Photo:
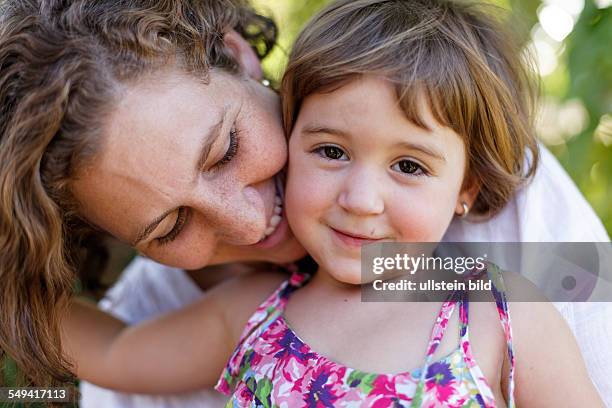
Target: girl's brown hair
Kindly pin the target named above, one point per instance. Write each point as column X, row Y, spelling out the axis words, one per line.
column 454, row 54
column 61, row 65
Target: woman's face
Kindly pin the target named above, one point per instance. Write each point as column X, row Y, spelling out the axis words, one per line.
column 186, row 172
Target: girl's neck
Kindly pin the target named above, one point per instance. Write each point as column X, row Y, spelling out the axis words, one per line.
column 324, row 283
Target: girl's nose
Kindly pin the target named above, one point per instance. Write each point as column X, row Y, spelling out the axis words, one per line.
column 361, row 193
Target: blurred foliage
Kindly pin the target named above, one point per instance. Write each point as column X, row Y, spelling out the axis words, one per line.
column 9, row 375
column 576, row 94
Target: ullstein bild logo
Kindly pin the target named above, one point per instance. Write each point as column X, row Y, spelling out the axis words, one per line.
column 549, row 271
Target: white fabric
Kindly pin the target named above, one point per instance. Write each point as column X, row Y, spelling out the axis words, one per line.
column 550, row 209
column 147, row 289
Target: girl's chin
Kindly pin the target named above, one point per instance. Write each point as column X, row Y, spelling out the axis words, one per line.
column 349, row 274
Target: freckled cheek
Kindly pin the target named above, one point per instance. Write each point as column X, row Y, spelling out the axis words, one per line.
column 268, row 147
column 184, row 257
column 274, row 154
column 192, row 249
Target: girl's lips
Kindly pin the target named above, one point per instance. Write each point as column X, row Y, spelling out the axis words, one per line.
column 353, row 241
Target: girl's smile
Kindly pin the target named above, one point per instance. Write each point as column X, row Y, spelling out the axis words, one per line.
column 354, row 240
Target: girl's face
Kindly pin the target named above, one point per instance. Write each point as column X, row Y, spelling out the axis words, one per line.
column 186, row 172
column 360, row 172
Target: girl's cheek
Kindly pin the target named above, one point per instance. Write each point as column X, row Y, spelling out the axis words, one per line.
column 421, row 216
column 307, row 191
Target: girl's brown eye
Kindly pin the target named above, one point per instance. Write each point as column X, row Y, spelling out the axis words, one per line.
column 409, row 167
column 181, row 220
column 331, row 152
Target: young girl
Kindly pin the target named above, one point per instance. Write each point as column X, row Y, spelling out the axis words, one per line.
column 401, row 115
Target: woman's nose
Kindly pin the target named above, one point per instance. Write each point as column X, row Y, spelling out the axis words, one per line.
column 237, row 215
column 361, row 193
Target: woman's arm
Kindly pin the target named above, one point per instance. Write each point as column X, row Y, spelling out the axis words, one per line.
column 550, row 371
column 181, row 351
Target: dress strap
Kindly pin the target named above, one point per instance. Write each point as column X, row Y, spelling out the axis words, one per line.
column 498, row 290
column 275, row 304
column 484, row 390
column 437, row 333
column 261, row 319
column 439, row 329
column 499, row 293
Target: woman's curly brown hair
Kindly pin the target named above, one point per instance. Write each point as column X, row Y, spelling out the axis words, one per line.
column 61, row 64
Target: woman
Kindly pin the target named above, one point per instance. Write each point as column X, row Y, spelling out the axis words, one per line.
column 144, row 119
column 138, row 119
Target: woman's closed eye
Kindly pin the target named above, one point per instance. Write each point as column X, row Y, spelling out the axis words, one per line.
column 182, row 216
column 232, row 149
column 331, row 152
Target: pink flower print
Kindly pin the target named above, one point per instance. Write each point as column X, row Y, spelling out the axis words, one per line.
column 325, row 386
column 440, row 378
column 384, row 393
column 243, row 395
column 292, row 354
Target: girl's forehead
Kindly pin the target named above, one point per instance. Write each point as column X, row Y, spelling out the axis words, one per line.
column 366, row 103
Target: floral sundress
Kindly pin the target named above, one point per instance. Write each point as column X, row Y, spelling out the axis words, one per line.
column 272, row 367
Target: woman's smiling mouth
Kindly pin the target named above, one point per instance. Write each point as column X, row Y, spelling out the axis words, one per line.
column 277, row 223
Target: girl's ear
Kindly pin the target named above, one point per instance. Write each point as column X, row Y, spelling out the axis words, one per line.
column 244, row 54
column 468, row 195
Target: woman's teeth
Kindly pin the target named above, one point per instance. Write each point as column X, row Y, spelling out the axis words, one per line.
column 276, row 217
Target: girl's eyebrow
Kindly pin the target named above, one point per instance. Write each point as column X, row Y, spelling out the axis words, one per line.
column 423, row 149
column 315, row 129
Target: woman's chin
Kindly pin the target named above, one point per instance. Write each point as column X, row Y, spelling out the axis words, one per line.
column 289, row 250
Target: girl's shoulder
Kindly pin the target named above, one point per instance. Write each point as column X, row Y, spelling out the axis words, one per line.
column 240, row 297
column 522, row 302
column 543, row 343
